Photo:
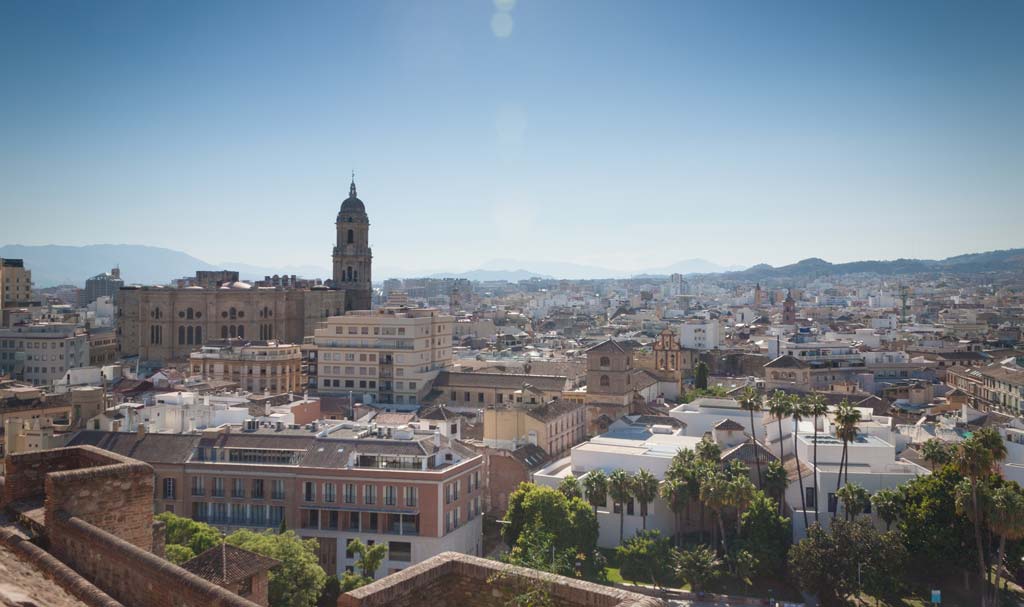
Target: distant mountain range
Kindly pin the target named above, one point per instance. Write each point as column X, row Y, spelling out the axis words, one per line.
column 53, row 265
column 991, row 261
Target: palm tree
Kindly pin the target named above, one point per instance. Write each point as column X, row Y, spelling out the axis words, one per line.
column 816, row 407
column 620, row 488
column 778, row 406
column 751, row 401
column 571, row 487
column 741, row 492
column 676, row 493
column 1006, row 519
column 847, row 417
column 888, row 503
column 797, row 409
column 596, row 485
column 714, row 492
column 936, row 453
column 645, row 489
column 776, row 481
column 974, row 461
column 854, row 498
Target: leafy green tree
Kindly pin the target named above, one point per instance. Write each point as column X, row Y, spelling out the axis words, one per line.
column 197, row 537
column 620, row 488
column 178, row 554
column 351, row 581
column 826, row 563
column 331, row 591
column 936, row 452
column 543, row 517
column 700, row 376
column 647, row 557
column 571, row 487
column 888, row 504
column 595, row 483
column 765, row 534
column 298, row 580
column 699, row 567
column 370, row 557
column 854, row 498
column 645, row 489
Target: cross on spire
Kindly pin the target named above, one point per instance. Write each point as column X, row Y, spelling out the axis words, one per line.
column 352, row 186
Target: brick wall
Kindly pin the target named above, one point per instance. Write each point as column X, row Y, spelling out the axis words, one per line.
column 133, row 576
column 459, row 580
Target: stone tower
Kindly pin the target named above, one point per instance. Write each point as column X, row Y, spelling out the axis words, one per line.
column 352, row 255
column 789, row 310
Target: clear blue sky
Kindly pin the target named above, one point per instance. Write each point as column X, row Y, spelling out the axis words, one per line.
column 625, row 134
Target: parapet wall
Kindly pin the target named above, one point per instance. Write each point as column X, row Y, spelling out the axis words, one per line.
column 133, row 576
column 451, row 579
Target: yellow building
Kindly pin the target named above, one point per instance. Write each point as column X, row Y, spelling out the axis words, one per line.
column 15, row 283
column 554, row 426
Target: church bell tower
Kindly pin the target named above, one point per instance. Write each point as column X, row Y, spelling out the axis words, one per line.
column 352, row 255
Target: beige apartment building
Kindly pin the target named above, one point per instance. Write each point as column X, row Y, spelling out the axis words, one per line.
column 256, row 366
column 15, row 283
column 480, row 389
column 388, row 355
column 418, row 493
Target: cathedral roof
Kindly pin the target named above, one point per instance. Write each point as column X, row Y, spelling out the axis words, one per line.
column 352, row 204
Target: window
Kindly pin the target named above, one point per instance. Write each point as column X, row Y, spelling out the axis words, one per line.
column 309, row 491
column 400, row 551
column 277, row 490
column 629, row 507
column 257, row 488
column 170, row 491
column 479, row 397
column 350, row 493
column 348, row 548
column 238, row 488
column 218, row 487
column 809, row 497
column 832, row 502
column 330, row 493
column 411, row 496
column 369, row 494
column 605, row 361
column 390, row 495
column 197, row 486
column 605, row 382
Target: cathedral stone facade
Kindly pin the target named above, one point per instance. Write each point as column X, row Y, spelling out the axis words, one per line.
column 167, row 324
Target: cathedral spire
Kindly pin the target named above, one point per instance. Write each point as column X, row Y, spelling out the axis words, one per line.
column 352, row 186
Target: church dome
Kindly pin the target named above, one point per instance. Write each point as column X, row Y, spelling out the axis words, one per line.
column 352, row 204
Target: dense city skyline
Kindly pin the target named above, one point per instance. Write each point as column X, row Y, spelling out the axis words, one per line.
column 516, row 130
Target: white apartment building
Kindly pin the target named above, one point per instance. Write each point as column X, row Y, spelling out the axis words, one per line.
column 651, row 449
column 41, row 353
column 700, row 334
column 388, row 355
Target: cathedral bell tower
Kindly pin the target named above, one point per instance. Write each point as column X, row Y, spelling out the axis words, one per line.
column 352, row 256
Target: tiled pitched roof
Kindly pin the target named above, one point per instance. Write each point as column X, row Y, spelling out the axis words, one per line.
column 728, row 425
column 504, row 381
column 226, row 564
column 786, row 362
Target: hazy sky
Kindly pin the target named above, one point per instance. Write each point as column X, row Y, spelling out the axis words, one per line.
column 625, row 134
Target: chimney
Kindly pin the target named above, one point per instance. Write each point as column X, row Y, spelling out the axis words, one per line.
column 437, row 438
column 140, row 432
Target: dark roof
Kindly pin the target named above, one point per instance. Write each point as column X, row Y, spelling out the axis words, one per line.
column 553, row 409
column 226, row 564
column 786, row 362
column 654, row 420
column 729, row 425
column 352, row 204
column 531, row 456
column 504, row 381
column 151, row 448
column 438, row 412
column 610, row 345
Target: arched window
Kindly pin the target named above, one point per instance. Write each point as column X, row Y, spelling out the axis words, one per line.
column 191, row 335
column 224, row 332
column 234, row 331
column 199, row 336
column 605, row 361
column 349, row 273
column 270, row 331
column 181, row 336
column 351, row 236
column 605, row 382
column 241, row 331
